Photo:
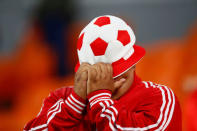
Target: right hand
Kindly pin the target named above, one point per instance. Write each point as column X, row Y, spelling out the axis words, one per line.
column 100, row 77
column 81, row 77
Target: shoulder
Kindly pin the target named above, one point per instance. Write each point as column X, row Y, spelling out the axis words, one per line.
column 49, row 104
column 157, row 95
column 161, row 95
column 159, row 91
column 155, row 88
column 162, row 101
column 62, row 92
column 54, row 97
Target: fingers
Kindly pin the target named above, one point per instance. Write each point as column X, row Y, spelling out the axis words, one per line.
column 109, row 69
column 84, row 76
column 82, row 73
column 97, row 71
column 103, row 70
column 81, row 77
column 93, row 77
column 118, row 83
column 83, row 67
column 92, row 73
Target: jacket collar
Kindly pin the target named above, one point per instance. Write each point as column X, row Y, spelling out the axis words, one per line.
column 136, row 82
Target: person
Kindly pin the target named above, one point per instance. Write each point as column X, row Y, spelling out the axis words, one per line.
column 107, row 93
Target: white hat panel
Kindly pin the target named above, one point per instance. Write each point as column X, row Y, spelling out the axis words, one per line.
column 115, row 49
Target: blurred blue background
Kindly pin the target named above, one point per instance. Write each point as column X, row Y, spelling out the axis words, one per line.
column 153, row 19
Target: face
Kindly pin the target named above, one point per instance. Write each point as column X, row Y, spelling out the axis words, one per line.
column 128, row 76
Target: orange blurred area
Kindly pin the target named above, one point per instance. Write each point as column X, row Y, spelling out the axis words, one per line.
column 28, row 76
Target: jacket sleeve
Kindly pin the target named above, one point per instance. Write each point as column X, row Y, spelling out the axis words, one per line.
column 154, row 113
column 58, row 113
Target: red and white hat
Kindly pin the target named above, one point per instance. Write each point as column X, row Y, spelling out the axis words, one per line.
column 109, row 39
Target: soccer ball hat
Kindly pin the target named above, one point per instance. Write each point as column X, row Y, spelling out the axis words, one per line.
column 109, row 39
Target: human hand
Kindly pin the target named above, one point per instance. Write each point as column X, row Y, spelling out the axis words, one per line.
column 81, row 77
column 100, row 77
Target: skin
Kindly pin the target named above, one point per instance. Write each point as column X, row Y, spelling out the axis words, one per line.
column 124, row 86
column 81, row 77
column 90, row 78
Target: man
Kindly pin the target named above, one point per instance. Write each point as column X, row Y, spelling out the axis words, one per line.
column 107, row 94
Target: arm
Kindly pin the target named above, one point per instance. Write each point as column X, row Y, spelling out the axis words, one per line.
column 58, row 113
column 154, row 113
column 62, row 111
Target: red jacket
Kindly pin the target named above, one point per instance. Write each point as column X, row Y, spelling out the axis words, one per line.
column 145, row 106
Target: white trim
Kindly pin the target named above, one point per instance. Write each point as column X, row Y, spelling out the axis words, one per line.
column 74, row 103
column 123, row 72
column 150, row 126
column 127, row 69
column 54, row 113
column 159, row 119
column 77, row 101
column 57, row 109
column 145, row 83
column 112, row 102
column 172, row 108
column 91, row 104
column 41, row 109
column 56, row 103
column 108, row 94
column 111, row 113
column 107, row 103
column 73, row 107
column 103, row 106
column 110, row 124
column 99, row 98
column 171, row 112
column 38, row 127
column 151, row 84
column 54, row 106
column 153, row 125
column 114, row 110
column 167, row 109
column 57, row 106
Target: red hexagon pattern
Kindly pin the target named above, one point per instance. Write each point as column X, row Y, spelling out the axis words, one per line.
column 101, row 21
column 123, row 37
column 99, row 46
column 80, row 42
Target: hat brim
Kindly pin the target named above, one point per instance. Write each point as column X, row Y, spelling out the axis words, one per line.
column 121, row 66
